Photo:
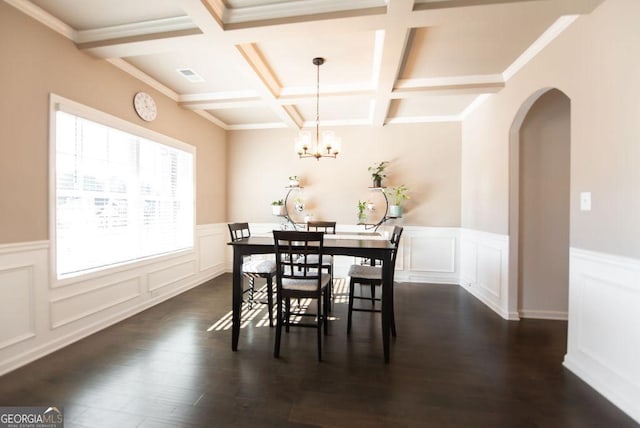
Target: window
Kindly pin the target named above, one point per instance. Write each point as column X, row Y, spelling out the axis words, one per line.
column 118, row 196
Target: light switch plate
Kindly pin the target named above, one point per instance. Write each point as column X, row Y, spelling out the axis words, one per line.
column 585, row 201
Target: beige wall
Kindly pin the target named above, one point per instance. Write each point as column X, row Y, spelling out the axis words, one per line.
column 593, row 63
column 543, row 285
column 424, row 157
column 35, row 61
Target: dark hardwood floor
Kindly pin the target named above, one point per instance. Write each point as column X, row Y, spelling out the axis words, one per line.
column 455, row 363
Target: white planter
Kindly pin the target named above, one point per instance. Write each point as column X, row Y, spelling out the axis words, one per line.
column 395, row 211
column 294, row 183
column 278, row 210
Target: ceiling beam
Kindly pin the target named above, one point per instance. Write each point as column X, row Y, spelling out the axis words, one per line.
column 389, row 59
column 462, row 3
column 143, row 44
column 481, row 84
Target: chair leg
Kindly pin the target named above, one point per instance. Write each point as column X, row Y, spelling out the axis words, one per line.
column 373, row 295
column 351, row 288
column 270, row 299
column 319, row 329
column 393, row 316
column 325, row 312
column 251, row 291
column 279, row 321
column 393, row 324
column 287, row 313
column 330, row 289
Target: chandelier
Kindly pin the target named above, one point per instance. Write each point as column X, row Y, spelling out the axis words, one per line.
column 325, row 145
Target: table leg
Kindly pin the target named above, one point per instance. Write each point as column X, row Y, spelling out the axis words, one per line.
column 236, row 303
column 387, row 303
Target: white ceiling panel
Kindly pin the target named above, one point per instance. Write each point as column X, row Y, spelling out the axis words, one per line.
column 347, row 60
column 209, row 59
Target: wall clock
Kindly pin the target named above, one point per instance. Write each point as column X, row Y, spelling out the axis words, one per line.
column 145, row 106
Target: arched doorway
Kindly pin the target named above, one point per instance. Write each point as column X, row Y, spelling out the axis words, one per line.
column 539, row 207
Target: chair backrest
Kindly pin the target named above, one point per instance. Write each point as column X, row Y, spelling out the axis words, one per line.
column 293, row 249
column 395, row 241
column 239, row 231
column 322, row 226
column 395, row 235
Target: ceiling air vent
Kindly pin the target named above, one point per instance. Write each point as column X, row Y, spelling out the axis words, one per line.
column 190, row 75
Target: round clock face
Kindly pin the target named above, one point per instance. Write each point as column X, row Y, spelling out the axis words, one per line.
column 145, row 106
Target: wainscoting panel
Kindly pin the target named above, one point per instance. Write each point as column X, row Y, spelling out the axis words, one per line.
column 489, row 270
column 171, row 274
column 37, row 318
column 211, row 245
column 432, row 254
column 484, row 270
column 604, row 320
column 429, row 254
column 468, row 261
column 77, row 307
column 17, row 306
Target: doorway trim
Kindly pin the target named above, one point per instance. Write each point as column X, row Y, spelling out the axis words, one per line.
column 514, row 195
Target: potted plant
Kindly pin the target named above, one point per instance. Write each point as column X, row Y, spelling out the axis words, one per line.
column 278, row 207
column 294, row 181
column 362, row 215
column 377, row 173
column 397, row 195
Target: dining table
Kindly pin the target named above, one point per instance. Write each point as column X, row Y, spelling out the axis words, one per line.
column 369, row 245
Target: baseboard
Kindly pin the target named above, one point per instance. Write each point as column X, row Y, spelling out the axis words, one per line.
column 622, row 401
column 509, row 316
column 544, row 315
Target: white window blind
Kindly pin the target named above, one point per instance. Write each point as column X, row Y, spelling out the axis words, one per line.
column 118, row 197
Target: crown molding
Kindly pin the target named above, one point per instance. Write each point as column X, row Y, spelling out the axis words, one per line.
column 295, row 8
column 166, row 25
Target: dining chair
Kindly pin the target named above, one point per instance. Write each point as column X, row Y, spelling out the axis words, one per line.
column 372, row 276
column 253, row 269
column 298, row 277
column 328, row 227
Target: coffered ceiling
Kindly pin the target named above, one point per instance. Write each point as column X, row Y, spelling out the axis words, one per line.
column 249, row 62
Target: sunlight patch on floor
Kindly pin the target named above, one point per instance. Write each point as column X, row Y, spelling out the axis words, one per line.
column 258, row 315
